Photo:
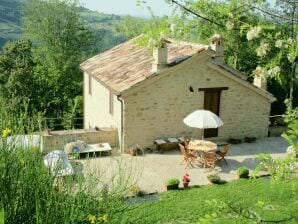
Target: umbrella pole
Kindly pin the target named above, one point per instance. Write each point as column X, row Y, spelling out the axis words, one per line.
column 203, row 134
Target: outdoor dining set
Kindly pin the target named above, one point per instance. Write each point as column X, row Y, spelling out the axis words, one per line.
column 202, row 151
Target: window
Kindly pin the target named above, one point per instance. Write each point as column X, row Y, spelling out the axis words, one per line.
column 111, row 109
column 90, row 85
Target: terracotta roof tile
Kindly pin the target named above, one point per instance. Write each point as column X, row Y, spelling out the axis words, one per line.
column 128, row 64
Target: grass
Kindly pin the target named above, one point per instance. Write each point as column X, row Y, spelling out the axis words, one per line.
column 271, row 200
column 29, row 193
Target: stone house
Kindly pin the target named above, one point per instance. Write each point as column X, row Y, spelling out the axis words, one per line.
column 145, row 96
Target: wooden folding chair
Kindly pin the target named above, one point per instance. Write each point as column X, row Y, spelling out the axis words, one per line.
column 187, row 157
column 221, row 154
column 209, row 159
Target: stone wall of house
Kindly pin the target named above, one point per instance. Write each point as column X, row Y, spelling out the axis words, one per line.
column 57, row 139
column 156, row 108
column 97, row 106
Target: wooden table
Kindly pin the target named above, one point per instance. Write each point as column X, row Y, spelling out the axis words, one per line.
column 202, row 145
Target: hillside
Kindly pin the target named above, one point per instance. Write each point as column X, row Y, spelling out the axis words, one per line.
column 102, row 24
column 10, row 20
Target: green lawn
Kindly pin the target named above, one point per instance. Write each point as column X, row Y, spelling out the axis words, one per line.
column 271, row 200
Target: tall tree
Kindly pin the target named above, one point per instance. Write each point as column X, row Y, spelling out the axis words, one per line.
column 61, row 39
column 258, row 36
column 16, row 75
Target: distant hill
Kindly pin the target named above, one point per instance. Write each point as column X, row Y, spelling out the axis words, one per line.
column 11, row 21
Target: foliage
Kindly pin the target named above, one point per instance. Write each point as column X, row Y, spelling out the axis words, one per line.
column 225, row 211
column 75, row 111
column 135, row 190
column 2, row 216
column 213, row 177
column 253, row 39
column 16, row 74
column 131, row 27
column 19, row 122
column 291, row 115
column 292, row 134
column 10, row 21
column 30, row 194
column 243, row 170
column 62, row 38
column 276, row 202
column 45, row 76
column 102, row 25
column 172, row 181
column 279, row 169
column 100, row 219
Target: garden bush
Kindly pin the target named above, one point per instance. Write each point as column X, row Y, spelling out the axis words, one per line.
column 30, row 194
column 172, row 181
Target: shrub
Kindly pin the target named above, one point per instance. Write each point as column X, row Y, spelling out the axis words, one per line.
column 172, row 181
column 28, row 194
column 243, row 170
column 279, row 169
column 213, row 177
column 292, row 135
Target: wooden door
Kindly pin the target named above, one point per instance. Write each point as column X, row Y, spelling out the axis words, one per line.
column 212, row 103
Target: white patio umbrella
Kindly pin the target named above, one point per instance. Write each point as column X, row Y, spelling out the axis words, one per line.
column 202, row 119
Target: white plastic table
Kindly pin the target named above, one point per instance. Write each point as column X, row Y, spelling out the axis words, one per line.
column 99, row 147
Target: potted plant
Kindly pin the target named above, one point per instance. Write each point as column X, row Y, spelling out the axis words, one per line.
column 186, row 180
column 214, row 178
column 132, row 150
column 234, row 141
column 250, row 139
column 243, row 172
column 172, row 184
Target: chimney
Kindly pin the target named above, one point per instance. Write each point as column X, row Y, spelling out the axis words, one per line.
column 260, row 82
column 217, row 44
column 160, row 58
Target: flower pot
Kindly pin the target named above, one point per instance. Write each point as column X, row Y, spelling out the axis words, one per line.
column 185, row 184
column 172, row 187
column 234, row 141
column 250, row 139
column 243, row 175
column 214, row 181
column 133, row 152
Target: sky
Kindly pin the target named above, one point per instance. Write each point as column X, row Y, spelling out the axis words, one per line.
column 127, row 7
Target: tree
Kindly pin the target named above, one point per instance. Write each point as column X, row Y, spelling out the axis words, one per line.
column 61, row 39
column 278, row 48
column 260, row 40
column 17, row 84
column 131, row 26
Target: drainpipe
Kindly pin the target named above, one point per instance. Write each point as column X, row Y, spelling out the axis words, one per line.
column 122, row 127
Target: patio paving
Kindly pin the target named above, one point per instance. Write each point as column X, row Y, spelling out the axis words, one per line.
column 151, row 170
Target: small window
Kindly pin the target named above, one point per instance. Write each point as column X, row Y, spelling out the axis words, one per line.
column 111, row 109
column 191, row 89
column 90, row 85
